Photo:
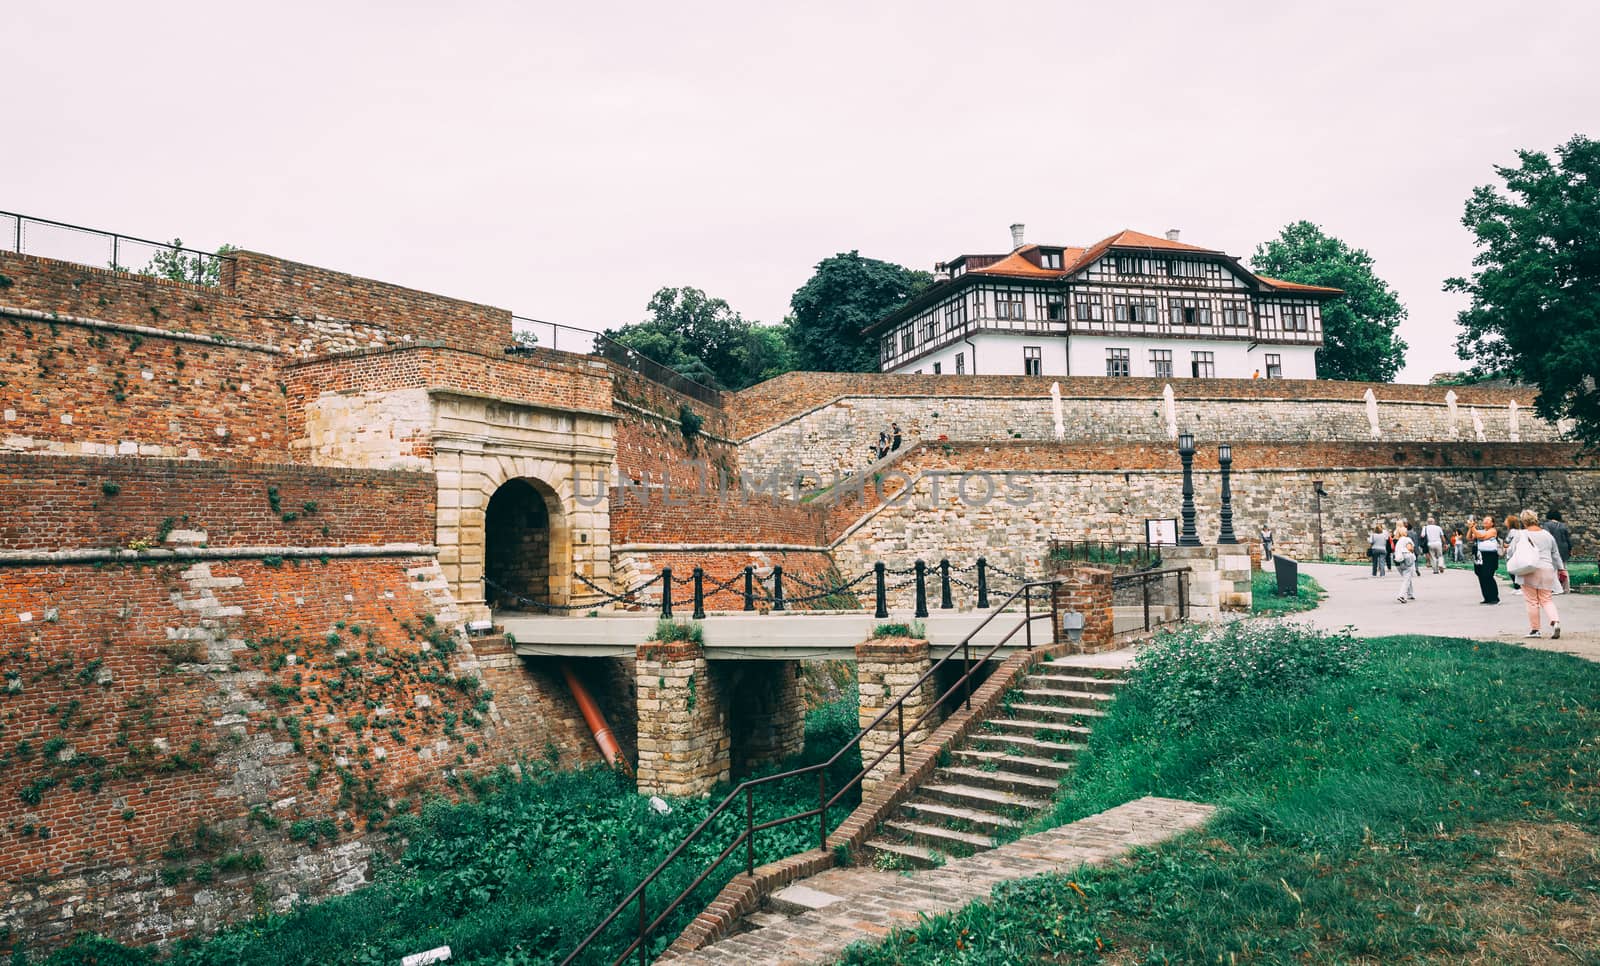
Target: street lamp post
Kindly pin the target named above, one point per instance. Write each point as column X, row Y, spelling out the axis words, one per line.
column 1225, row 460
column 1318, row 492
column 1186, row 453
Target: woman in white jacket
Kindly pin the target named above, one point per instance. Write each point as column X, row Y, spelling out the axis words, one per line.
column 1539, row 584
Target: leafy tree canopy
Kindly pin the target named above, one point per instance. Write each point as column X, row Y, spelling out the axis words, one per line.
column 845, row 295
column 1359, row 337
column 1535, row 311
column 706, row 340
column 177, row 266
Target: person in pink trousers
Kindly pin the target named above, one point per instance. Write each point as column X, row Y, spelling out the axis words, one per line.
column 1539, row 584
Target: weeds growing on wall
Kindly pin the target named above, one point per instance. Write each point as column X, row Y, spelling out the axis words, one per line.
column 517, row 876
column 1397, row 800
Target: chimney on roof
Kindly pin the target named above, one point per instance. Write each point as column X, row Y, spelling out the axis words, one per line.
column 1172, row 234
column 1016, row 236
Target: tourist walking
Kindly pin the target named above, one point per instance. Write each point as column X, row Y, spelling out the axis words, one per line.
column 1486, row 558
column 1266, row 542
column 1405, row 557
column 1556, row 528
column 1378, row 550
column 1533, row 555
column 1513, row 527
column 1433, row 541
column 894, row 429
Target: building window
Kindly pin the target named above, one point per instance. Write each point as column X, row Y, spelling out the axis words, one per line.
column 908, row 339
column 961, row 363
column 886, row 348
column 1274, row 366
column 955, row 313
column 1203, row 365
column 1139, row 265
column 1294, row 318
column 1055, row 310
column 1146, row 309
column 937, row 368
column 1008, row 305
column 1235, row 313
column 1032, row 365
column 1190, row 311
column 1118, row 362
column 1050, row 259
column 1090, row 307
column 928, row 330
column 1183, row 268
column 1119, row 308
column 1161, row 363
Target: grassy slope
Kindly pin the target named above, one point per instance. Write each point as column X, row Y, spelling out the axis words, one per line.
column 518, row 876
column 1442, row 803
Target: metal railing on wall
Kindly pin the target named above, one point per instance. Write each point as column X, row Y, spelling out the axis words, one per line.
column 28, row 235
column 1138, row 556
column 568, row 338
column 1147, row 599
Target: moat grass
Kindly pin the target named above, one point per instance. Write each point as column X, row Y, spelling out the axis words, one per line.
column 1428, row 800
column 1264, row 597
column 518, row 876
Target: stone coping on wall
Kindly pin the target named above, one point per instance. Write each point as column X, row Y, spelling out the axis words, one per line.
column 146, row 331
column 178, row 467
column 791, row 396
column 155, row 555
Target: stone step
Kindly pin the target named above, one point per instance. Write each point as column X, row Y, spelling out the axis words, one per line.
column 1072, row 678
column 1071, row 682
column 949, row 790
column 1024, row 784
column 799, row 899
column 761, row 919
column 906, row 854
column 1056, row 729
column 1016, row 761
column 973, row 820
column 1066, row 699
column 938, row 837
column 1052, row 712
column 1030, row 747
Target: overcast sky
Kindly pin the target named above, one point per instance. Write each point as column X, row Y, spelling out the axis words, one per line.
column 566, row 160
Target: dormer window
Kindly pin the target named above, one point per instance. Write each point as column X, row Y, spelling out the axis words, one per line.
column 1050, row 259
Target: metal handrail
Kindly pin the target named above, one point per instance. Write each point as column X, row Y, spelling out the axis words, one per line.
column 116, row 238
column 647, row 926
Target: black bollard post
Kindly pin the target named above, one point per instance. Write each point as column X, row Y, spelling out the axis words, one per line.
column 666, row 591
column 881, row 591
column 777, row 588
column 983, row 584
column 749, row 588
column 944, row 585
column 922, row 589
column 699, row 593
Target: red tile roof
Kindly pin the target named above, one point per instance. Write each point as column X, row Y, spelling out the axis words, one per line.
column 1279, row 283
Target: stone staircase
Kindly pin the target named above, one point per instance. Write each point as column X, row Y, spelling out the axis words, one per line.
column 1002, row 773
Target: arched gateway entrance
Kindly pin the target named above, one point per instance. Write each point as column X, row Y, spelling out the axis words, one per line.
column 523, row 527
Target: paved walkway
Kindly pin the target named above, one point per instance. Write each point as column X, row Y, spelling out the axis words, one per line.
column 899, row 900
column 1447, row 605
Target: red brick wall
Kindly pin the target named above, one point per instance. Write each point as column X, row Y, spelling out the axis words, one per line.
column 60, row 502
column 47, row 285
column 95, row 378
column 651, row 443
column 644, row 517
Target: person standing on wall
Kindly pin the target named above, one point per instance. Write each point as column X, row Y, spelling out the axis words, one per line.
column 1266, row 542
column 1487, row 558
column 1563, row 537
column 1533, row 555
column 1405, row 557
column 894, row 443
column 1433, row 540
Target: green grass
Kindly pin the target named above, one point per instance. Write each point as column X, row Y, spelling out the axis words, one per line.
column 1420, row 800
column 519, row 875
column 1264, row 597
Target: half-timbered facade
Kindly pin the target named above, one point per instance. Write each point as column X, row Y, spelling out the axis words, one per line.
column 1130, row 305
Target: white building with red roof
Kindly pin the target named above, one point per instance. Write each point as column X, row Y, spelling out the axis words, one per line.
column 1128, row 305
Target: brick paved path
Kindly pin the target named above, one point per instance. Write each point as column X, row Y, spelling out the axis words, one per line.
column 820, row 936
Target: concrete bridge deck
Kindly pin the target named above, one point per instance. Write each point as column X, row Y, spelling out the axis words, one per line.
column 798, row 636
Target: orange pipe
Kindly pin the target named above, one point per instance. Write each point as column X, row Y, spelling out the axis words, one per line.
column 593, row 718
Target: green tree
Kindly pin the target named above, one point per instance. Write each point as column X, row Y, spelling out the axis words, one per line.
column 706, row 340
column 1535, row 311
column 1359, row 337
column 198, row 268
column 844, row 295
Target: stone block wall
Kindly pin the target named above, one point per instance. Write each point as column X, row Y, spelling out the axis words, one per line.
column 886, row 669
column 684, row 743
column 768, row 713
